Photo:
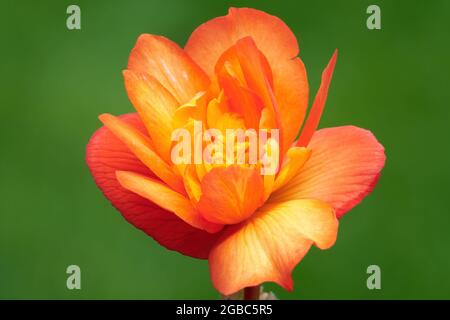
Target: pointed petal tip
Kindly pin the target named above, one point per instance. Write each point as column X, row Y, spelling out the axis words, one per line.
column 331, row 64
column 105, row 117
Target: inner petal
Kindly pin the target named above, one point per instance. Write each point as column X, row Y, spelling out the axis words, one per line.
column 231, row 195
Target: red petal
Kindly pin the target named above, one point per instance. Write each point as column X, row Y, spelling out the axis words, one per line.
column 105, row 155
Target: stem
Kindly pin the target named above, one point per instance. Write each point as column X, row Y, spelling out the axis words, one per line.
column 251, row 293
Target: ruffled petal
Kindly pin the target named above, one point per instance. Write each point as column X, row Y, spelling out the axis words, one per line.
column 272, row 36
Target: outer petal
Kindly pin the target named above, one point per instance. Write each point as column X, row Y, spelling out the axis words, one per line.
column 270, row 244
column 272, row 36
column 319, row 103
column 344, row 167
column 276, row 41
column 170, row 65
column 230, row 195
column 105, row 155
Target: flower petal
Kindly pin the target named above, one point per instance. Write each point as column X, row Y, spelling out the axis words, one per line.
column 105, row 154
column 242, row 100
column 344, row 167
column 296, row 158
column 258, row 76
column 156, row 107
column 318, row 105
column 278, row 44
column 192, row 183
column 272, row 36
column 166, row 198
column 230, row 195
column 139, row 145
column 170, row 65
column 269, row 245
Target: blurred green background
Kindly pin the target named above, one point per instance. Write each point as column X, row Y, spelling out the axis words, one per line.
column 54, row 83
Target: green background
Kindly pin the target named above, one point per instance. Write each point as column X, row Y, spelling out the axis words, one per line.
column 54, row 83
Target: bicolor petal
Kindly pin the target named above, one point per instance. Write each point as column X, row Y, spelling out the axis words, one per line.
column 106, row 154
column 140, row 145
column 166, row 198
column 270, row 244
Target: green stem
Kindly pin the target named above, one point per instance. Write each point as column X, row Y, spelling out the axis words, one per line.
column 251, row 293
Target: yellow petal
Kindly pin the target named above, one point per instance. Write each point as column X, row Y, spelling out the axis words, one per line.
column 296, row 158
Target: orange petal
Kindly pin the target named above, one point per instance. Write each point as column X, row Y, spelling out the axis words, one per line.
column 169, row 64
column 291, row 91
column 296, row 158
column 237, row 82
column 230, row 195
column 156, row 107
column 140, row 146
column 344, row 167
column 258, row 76
column 272, row 36
column 106, row 154
column 269, row 182
column 278, row 44
column 318, row 104
column 270, row 244
column 166, row 198
column 242, row 100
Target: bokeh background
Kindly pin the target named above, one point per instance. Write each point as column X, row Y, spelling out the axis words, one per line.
column 54, row 82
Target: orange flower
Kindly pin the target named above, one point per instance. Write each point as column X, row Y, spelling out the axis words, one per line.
column 236, row 71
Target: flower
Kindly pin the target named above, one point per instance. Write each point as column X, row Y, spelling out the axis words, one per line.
column 239, row 71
